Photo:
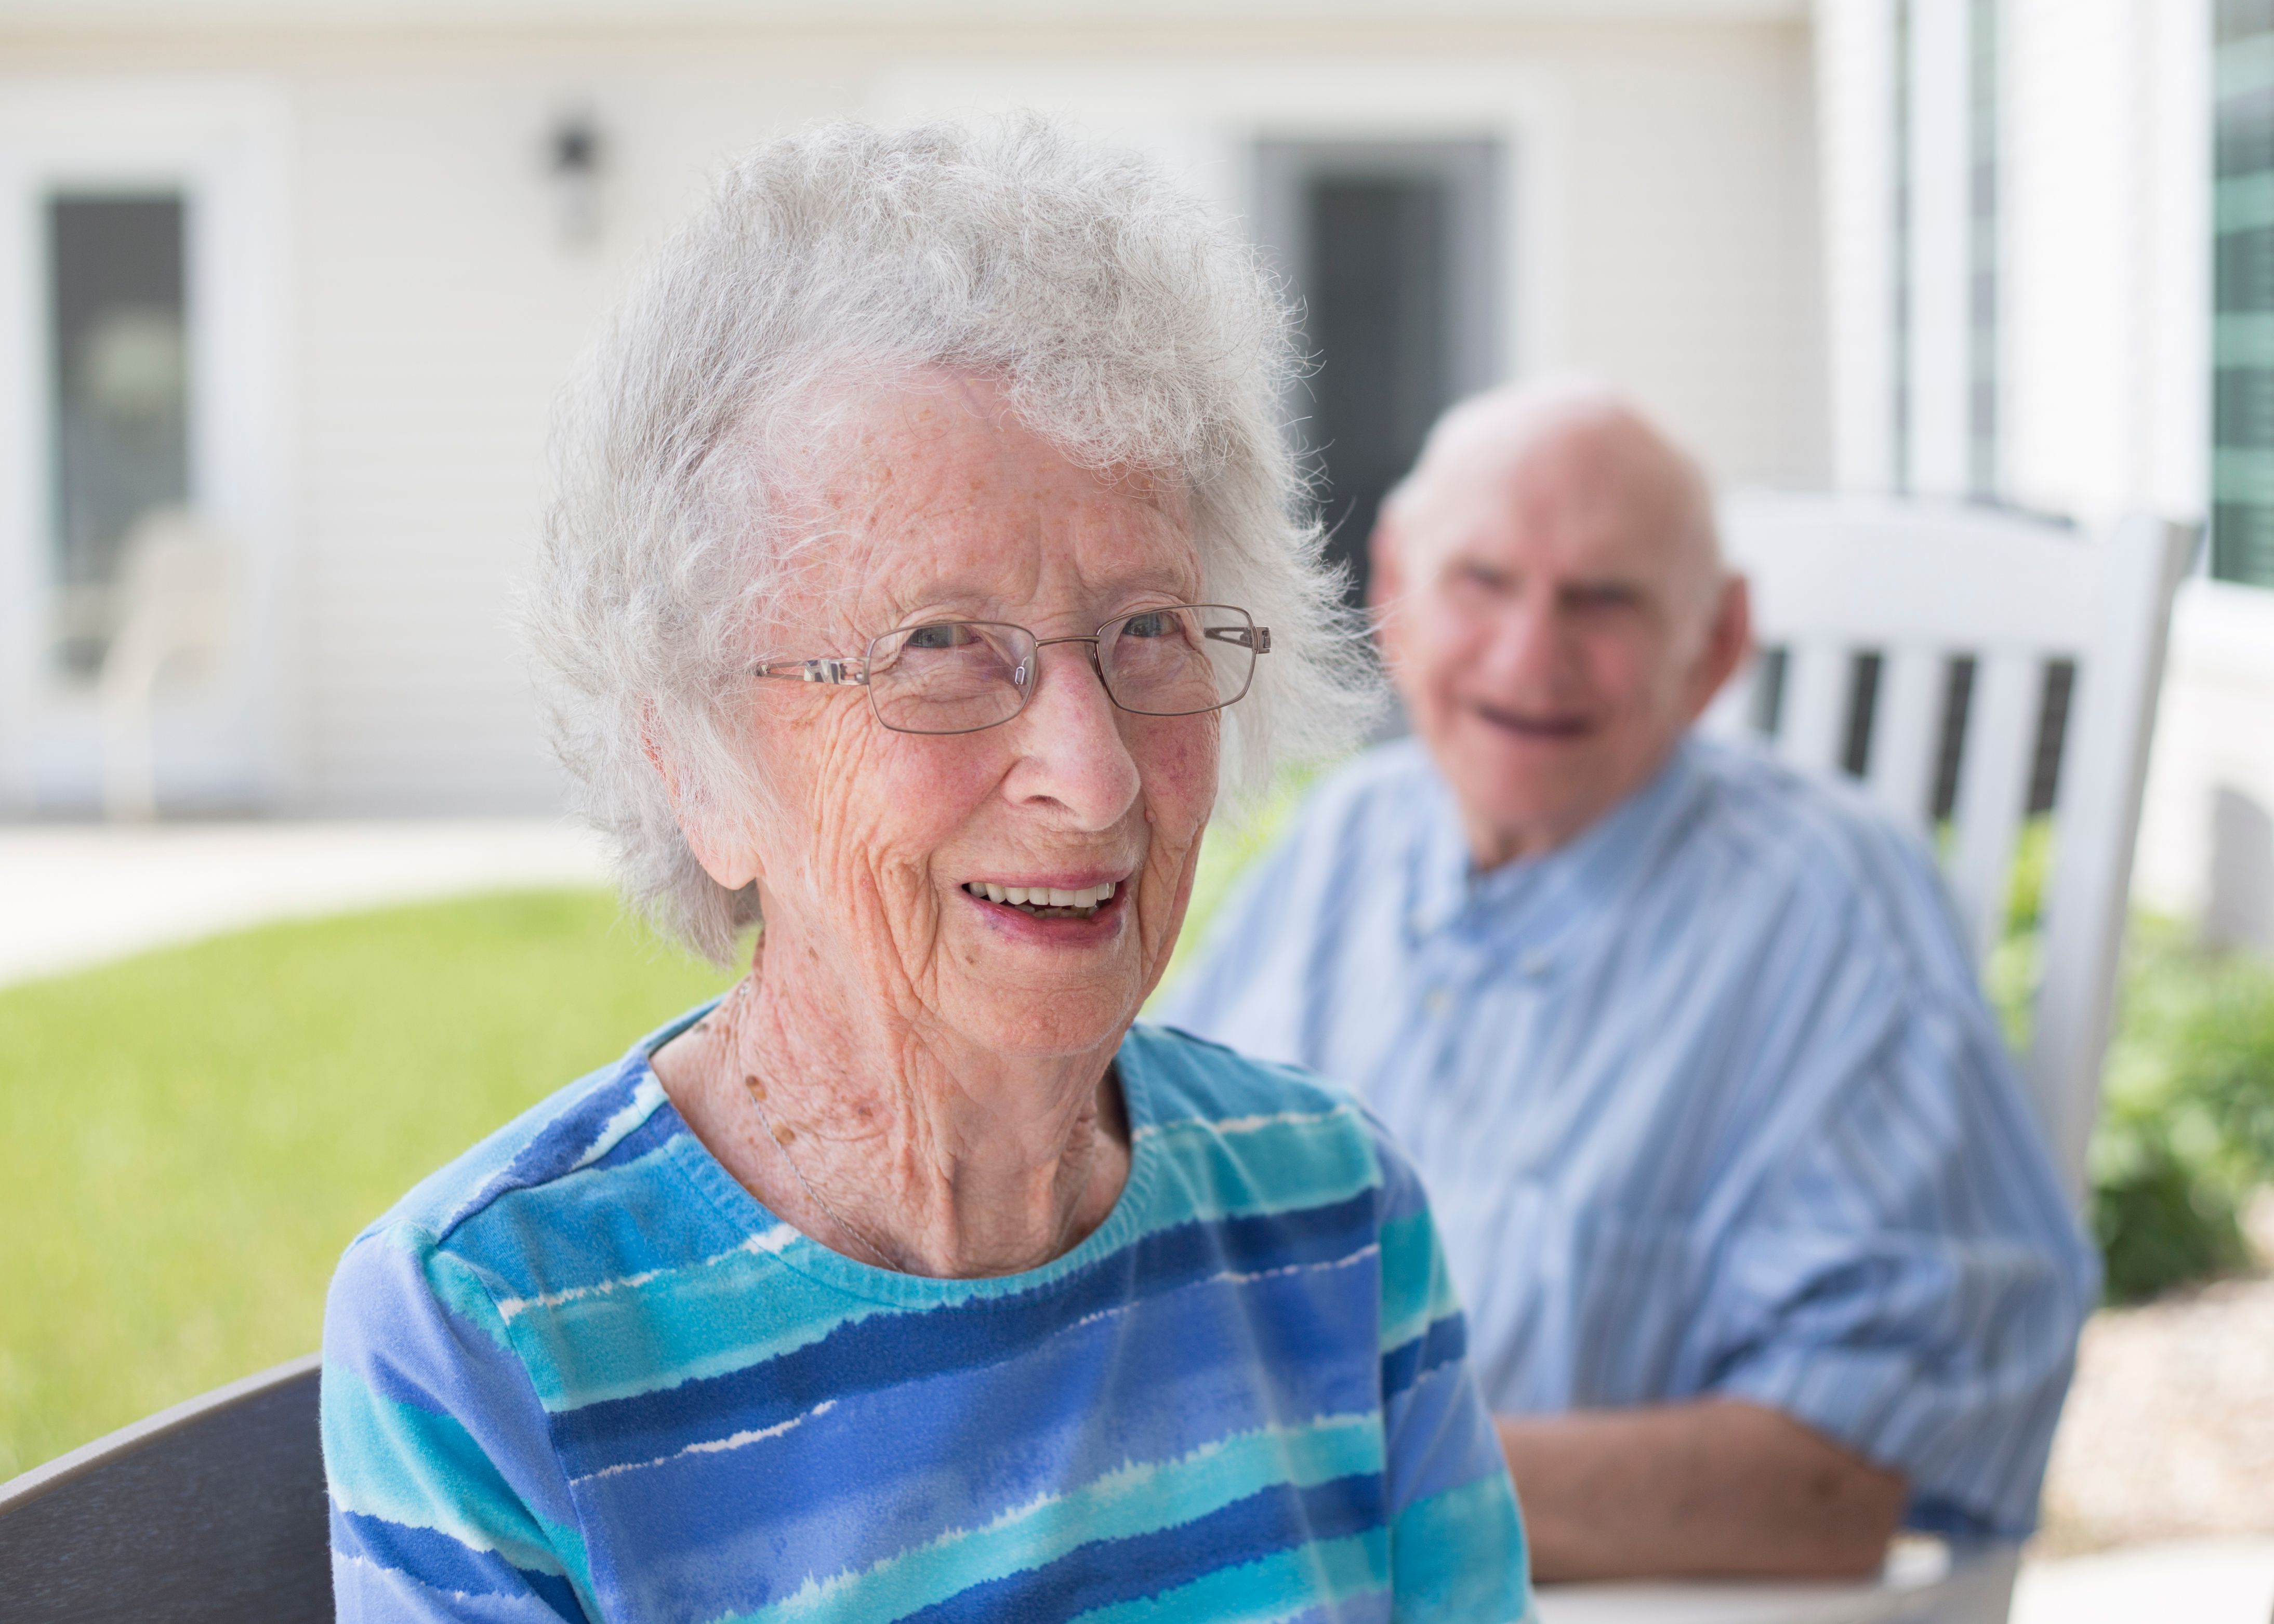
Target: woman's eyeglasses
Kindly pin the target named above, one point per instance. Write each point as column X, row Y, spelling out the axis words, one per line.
column 960, row 676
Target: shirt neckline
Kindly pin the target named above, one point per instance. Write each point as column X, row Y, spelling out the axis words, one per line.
column 1541, row 899
column 800, row 1252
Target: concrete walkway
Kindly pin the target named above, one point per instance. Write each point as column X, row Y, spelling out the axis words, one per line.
column 2186, row 1581
column 73, row 896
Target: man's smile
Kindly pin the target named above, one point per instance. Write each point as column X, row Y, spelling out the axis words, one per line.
column 1547, row 725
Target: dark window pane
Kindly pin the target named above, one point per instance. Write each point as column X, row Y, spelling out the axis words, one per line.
column 120, row 390
column 2239, row 19
column 2242, row 407
column 2245, row 270
column 2242, row 543
column 2246, row 132
column 1376, row 315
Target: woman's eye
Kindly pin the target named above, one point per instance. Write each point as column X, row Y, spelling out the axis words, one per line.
column 945, row 635
column 1146, row 625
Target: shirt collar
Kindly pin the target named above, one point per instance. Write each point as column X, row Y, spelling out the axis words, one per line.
column 1534, row 901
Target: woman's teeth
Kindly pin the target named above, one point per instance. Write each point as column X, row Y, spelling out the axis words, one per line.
column 1046, row 902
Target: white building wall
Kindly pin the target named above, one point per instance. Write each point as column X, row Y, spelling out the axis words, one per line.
column 1940, row 246
column 442, row 310
column 2104, row 252
column 2104, row 364
column 1660, row 232
column 2108, row 242
column 1856, row 118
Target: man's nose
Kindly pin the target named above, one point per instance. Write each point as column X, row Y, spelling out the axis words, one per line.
column 1530, row 641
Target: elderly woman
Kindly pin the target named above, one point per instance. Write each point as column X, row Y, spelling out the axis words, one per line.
column 922, row 544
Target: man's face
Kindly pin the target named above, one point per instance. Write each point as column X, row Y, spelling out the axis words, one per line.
column 1554, row 621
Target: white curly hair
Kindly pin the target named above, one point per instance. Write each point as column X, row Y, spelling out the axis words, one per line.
column 1122, row 321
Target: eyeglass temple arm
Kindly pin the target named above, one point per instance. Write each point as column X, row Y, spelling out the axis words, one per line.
column 816, row 670
column 1256, row 638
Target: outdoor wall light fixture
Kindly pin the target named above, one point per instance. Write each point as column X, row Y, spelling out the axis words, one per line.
column 573, row 155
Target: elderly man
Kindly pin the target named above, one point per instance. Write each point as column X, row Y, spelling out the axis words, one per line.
column 1762, row 1253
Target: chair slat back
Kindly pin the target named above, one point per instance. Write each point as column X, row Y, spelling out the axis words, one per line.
column 1993, row 788
column 1935, row 653
column 1906, row 734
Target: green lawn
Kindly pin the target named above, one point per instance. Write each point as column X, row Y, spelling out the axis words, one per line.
column 188, row 1139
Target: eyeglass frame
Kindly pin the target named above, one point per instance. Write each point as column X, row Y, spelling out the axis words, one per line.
column 853, row 670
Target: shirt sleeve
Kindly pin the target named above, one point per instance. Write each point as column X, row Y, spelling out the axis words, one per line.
column 1913, row 1284
column 446, row 1500
column 1457, row 1546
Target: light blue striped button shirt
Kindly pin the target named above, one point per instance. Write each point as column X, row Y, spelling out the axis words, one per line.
column 1707, row 1102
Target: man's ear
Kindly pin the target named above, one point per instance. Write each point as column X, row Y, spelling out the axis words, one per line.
column 1728, row 640
column 1385, row 585
column 729, row 863
column 1385, row 579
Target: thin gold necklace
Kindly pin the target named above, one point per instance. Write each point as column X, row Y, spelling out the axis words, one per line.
column 753, row 1090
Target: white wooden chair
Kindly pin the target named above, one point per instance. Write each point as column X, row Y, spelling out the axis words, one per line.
column 174, row 594
column 1971, row 665
column 1979, row 665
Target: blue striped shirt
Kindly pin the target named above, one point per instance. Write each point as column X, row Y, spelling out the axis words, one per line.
column 581, row 1373
column 1707, row 1101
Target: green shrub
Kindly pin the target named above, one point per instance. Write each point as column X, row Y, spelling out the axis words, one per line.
column 2187, row 1127
column 2160, row 1221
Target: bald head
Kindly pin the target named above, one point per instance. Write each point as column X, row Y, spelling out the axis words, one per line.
column 1554, row 607
column 1582, row 453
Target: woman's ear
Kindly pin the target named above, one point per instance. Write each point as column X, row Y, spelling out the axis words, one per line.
column 729, row 861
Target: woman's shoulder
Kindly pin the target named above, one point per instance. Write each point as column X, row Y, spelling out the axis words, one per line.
column 1190, row 1077
column 1278, row 1124
column 602, row 1117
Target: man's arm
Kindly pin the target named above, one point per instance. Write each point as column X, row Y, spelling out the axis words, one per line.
column 1716, row 1488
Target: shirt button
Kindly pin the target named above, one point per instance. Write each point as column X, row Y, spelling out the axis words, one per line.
column 1418, row 922
column 1534, row 964
column 1439, row 1001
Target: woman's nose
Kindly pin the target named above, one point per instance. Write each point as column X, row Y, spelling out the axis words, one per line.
column 1074, row 751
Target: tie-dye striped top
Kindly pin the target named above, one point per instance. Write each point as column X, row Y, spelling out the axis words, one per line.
column 582, row 1373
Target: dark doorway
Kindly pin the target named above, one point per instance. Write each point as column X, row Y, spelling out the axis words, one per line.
column 1390, row 247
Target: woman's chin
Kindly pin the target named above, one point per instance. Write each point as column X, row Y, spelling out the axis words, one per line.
column 1016, row 1017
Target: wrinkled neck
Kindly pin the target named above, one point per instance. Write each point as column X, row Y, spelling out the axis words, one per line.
column 897, row 1141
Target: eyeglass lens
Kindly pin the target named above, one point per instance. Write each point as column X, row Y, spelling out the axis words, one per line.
column 959, row 676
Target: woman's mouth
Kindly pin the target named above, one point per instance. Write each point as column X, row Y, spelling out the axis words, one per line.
column 1046, row 901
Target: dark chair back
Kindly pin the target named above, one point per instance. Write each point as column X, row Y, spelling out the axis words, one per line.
column 213, row 1510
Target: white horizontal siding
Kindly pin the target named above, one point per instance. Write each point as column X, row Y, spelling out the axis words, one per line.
column 1665, row 243
column 442, row 313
